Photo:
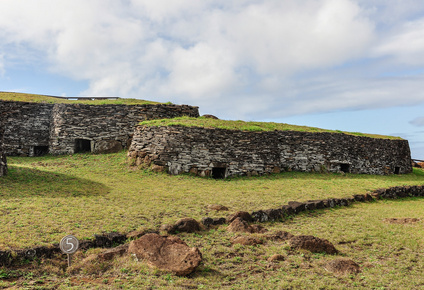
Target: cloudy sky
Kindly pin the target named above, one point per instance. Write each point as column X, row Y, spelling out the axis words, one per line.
column 353, row 65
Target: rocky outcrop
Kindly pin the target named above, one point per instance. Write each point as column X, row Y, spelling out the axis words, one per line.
column 220, row 153
column 166, row 253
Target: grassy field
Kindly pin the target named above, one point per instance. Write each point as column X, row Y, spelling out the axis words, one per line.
column 23, row 97
column 249, row 126
column 44, row 198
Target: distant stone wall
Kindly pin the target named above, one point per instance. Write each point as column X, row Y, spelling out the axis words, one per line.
column 220, row 153
column 32, row 129
column 104, row 128
column 26, row 127
column 3, row 161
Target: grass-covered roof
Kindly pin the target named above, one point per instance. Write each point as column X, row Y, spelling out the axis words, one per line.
column 248, row 126
column 33, row 98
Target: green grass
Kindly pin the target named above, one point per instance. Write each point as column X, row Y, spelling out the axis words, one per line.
column 22, row 97
column 44, row 198
column 249, row 126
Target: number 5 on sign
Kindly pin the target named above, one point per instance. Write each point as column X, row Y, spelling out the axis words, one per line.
column 69, row 244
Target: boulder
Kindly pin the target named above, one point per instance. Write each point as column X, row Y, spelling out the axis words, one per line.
column 297, row 206
column 166, row 253
column 107, row 146
column 240, row 225
column 187, row 225
column 342, row 266
column 240, row 214
column 312, row 244
column 208, row 221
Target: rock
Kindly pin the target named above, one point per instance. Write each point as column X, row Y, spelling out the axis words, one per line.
column 167, row 228
column 280, row 236
column 112, row 253
column 240, row 214
column 108, row 146
column 276, row 258
column 217, row 207
column 166, row 253
column 239, row 225
column 187, row 225
column 246, row 240
column 208, row 116
column 287, row 210
column 208, row 221
column 342, row 266
column 312, row 244
column 138, row 234
column 158, row 168
column 267, row 215
column 297, row 206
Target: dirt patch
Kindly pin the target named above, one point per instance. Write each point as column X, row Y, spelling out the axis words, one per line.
column 312, row 244
column 342, row 266
column 401, row 221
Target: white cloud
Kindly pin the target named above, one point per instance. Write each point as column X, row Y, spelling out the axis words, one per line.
column 244, row 57
column 406, row 45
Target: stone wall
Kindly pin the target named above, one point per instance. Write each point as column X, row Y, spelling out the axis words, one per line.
column 33, row 129
column 26, row 127
column 3, row 161
column 104, row 128
column 221, row 153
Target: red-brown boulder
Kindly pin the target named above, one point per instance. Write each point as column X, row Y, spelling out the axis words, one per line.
column 166, row 253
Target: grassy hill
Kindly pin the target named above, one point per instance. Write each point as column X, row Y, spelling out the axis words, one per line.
column 45, row 198
column 249, row 126
column 22, row 97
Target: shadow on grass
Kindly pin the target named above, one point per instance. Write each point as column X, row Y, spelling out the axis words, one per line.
column 28, row 182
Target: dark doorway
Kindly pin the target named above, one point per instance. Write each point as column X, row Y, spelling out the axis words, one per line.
column 82, row 145
column 41, row 150
column 344, row 167
column 397, row 170
column 218, row 172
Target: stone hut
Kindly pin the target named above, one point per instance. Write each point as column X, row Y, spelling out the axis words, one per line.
column 220, row 153
column 34, row 129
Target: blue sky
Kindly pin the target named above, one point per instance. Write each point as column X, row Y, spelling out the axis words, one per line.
column 353, row 65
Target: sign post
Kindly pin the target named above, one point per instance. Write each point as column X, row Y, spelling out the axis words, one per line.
column 69, row 245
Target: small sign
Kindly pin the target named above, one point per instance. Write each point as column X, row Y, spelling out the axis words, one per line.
column 69, row 244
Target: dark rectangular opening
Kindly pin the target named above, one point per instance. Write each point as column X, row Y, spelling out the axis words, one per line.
column 397, row 170
column 344, row 167
column 41, row 150
column 218, row 172
column 82, row 145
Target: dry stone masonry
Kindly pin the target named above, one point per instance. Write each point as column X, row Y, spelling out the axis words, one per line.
column 3, row 162
column 220, row 153
column 33, row 129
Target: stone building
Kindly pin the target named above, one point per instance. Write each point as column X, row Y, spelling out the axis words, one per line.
column 220, row 153
column 33, row 129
